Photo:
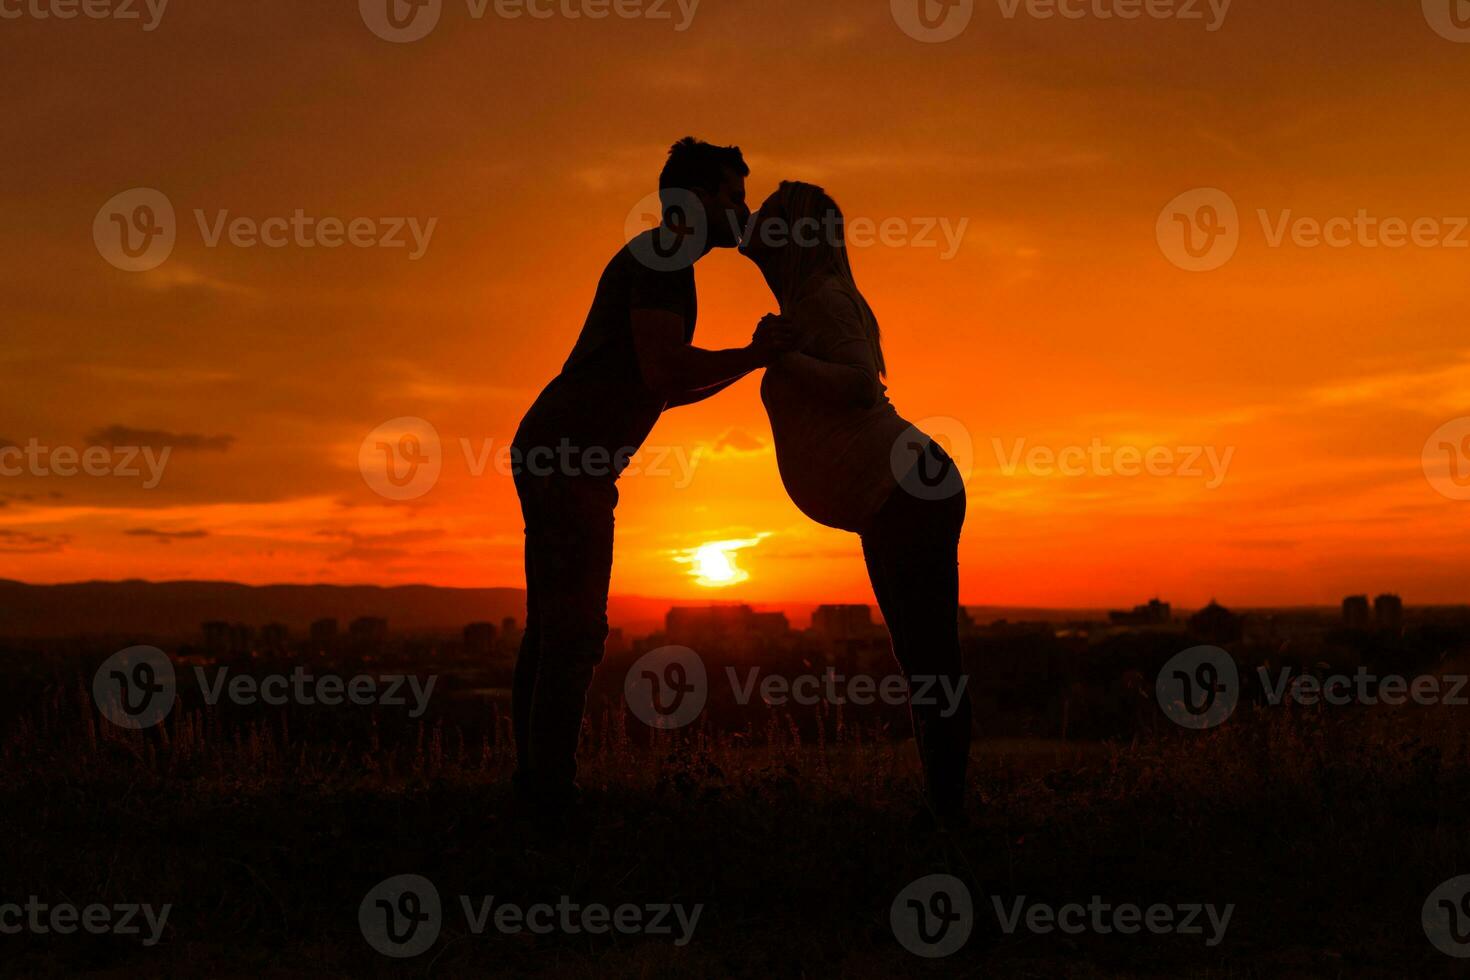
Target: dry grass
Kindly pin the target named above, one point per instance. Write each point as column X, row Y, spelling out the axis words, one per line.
column 264, row 830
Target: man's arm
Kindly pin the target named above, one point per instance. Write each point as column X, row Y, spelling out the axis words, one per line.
column 699, row 395
column 671, row 368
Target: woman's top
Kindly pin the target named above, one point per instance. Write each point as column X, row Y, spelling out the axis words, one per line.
column 835, row 456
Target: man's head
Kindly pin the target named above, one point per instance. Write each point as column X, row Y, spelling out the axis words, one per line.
column 715, row 176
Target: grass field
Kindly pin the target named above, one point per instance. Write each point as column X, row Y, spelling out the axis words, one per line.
column 1326, row 831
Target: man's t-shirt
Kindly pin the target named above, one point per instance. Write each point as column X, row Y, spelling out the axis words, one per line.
column 599, row 401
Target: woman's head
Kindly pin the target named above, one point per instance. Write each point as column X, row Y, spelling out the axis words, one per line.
column 798, row 236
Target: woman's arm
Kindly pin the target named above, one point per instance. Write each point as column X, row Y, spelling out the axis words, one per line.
column 842, row 384
column 845, row 372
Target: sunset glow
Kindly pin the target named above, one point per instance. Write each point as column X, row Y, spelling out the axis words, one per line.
column 1012, row 185
column 714, row 565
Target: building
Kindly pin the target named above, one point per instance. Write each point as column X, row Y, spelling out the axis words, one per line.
column 1216, row 624
column 1156, row 613
column 966, row 622
column 368, row 634
column 479, row 640
column 241, row 639
column 275, row 637
column 323, row 635
column 709, row 625
column 510, row 636
column 1355, row 612
column 216, row 638
column 850, row 622
column 1388, row 613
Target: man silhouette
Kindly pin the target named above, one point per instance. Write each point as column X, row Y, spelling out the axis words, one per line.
column 633, row 359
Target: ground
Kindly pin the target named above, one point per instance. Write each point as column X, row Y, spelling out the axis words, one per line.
column 1325, row 831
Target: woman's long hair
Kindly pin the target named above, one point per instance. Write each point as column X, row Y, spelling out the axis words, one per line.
column 817, row 245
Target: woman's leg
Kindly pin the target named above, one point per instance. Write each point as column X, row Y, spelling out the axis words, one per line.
column 912, row 553
column 528, row 659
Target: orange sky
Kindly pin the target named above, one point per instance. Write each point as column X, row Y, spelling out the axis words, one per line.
column 1059, row 320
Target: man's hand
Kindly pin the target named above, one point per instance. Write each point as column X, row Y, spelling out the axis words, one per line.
column 774, row 336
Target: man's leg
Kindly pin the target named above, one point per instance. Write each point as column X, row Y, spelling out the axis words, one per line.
column 574, row 565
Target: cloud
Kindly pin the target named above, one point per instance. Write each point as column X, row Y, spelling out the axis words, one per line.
column 737, row 442
column 166, row 537
column 121, row 435
column 26, row 543
column 380, row 547
column 174, row 275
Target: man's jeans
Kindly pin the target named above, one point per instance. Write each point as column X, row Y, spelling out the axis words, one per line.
column 569, row 549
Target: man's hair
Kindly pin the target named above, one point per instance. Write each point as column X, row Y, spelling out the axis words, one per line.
column 697, row 165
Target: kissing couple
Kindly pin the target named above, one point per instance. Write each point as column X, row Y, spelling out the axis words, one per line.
column 846, row 457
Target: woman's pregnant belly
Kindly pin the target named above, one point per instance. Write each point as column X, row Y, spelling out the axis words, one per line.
column 835, row 461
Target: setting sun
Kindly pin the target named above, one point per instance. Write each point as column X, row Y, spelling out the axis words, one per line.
column 713, row 565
